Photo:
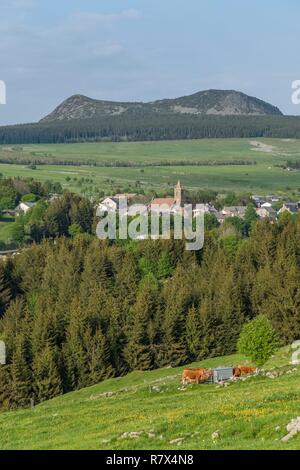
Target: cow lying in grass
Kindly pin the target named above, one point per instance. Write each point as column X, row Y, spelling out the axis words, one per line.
column 195, row 376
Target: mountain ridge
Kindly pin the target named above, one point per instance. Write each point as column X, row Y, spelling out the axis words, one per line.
column 207, row 102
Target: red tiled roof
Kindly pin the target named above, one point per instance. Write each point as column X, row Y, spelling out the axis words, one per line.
column 169, row 201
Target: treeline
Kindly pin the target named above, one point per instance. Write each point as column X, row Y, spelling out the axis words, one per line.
column 75, row 312
column 14, row 190
column 66, row 216
column 148, row 127
column 121, row 164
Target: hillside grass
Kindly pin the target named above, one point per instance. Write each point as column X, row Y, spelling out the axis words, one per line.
column 264, row 177
column 248, row 415
column 6, row 225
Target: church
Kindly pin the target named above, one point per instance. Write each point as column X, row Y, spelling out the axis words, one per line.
column 169, row 204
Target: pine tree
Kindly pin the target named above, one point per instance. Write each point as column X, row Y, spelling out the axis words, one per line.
column 12, row 324
column 193, row 333
column 68, row 284
column 138, row 351
column 115, row 336
column 20, row 383
column 4, row 387
column 250, row 218
column 164, row 267
column 179, row 295
column 46, row 379
column 280, row 295
column 220, row 311
column 5, row 292
column 97, row 357
column 97, row 269
column 74, row 353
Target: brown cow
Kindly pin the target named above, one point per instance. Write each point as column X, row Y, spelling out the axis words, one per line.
column 247, row 369
column 195, row 375
column 237, row 372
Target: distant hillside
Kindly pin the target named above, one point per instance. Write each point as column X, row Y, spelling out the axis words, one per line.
column 207, row 114
column 157, row 127
column 210, row 102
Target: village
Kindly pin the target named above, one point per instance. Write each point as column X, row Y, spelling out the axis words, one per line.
column 264, row 206
column 183, row 203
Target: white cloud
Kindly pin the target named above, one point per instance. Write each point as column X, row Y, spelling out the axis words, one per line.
column 131, row 14
column 19, row 3
column 82, row 52
column 105, row 50
column 88, row 21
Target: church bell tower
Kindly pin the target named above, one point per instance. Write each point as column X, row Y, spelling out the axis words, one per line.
column 178, row 194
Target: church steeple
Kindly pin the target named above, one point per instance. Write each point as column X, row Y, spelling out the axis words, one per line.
column 178, row 194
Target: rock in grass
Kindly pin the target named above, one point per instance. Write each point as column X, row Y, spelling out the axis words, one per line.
column 177, row 441
column 293, row 428
column 137, row 434
column 215, row 435
column 132, row 435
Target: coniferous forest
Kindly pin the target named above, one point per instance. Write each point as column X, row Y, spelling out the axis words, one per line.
column 147, row 128
column 76, row 311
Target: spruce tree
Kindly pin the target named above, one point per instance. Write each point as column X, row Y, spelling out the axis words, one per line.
column 97, row 357
column 74, row 353
column 193, row 333
column 5, row 391
column 179, row 295
column 138, row 351
column 5, row 292
column 21, row 380
column 46, row 378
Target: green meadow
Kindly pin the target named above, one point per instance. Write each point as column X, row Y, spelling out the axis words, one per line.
column 250, row 414
column 6, row 224
column 262, row 176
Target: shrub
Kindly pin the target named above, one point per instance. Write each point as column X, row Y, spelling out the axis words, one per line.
column 74, row 230
column 29, row 197
column 258, row 340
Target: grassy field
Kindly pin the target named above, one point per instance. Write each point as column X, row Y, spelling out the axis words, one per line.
column 248, row 415
column 263, row 177
column 5, row 229
column 151, row 152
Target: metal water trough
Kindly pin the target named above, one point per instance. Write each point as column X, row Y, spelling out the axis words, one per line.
column 221, row 374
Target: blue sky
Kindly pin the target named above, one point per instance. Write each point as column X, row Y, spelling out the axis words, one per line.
column 145, row 50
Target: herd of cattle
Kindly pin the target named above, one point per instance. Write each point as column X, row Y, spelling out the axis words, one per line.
column 197, row 376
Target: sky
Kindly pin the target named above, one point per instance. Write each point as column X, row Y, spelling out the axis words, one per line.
column 142, row 50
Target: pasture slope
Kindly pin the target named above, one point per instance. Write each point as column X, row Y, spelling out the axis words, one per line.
column 158, row 165
column 250, row 414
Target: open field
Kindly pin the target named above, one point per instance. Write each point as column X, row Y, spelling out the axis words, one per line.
column 6, row 224
column 248, row 415
column 263, row 176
